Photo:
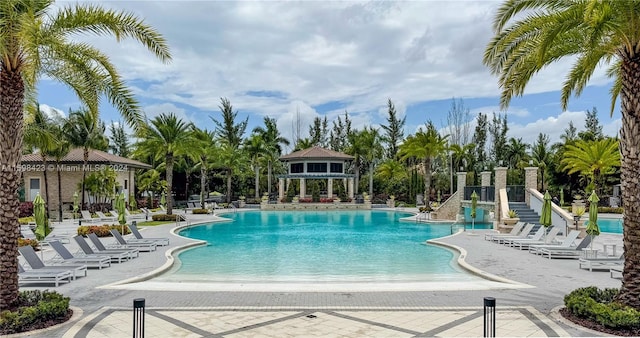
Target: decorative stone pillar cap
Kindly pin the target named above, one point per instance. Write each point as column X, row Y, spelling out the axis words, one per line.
column 531, row 168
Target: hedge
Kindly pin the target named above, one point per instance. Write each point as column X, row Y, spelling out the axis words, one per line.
column 599, row 306
column 31, row 242
column 164, row 217
column 200, row 211
column 102, row 230
column 34, row 307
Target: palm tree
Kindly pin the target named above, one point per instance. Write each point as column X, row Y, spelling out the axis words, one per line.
column 84, row 129
column 272, row 141
column 530, row 35
column 166, row 137
column 425, row 146
column 391, row 171
column 356, row 149
column 37, row 135
column 592, row 159
column 230, row 159
column 256, row 149
column 58, row 151
column 303, row 143
column 37, row 40
column 205, row 151
column 516, row 152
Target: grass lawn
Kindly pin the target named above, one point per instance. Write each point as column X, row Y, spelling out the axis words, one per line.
column 153, row 223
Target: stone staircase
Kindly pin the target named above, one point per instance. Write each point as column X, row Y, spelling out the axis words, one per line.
column 526, row 214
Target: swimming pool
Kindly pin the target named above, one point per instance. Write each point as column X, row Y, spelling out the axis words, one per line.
column 324, row 246
column 611, row 225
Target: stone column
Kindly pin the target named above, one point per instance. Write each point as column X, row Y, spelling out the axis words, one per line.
column 350, row 187
column 485, row 178
column 280, row 189
column 500, row 183
column 330, row 188
column 462, row 182
column 530, row 182
column 303, row 188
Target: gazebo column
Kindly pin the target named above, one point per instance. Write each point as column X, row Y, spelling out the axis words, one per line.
column 303, row 188
column 330, row 188
column 350, row 187
column 280, row 189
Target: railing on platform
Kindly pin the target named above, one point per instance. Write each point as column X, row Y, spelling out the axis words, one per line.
column 485, row 194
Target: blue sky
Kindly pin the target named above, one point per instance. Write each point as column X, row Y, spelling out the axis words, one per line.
column 283, row 59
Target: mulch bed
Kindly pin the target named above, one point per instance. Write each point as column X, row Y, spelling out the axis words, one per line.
column 599, row 327
column 44, row 324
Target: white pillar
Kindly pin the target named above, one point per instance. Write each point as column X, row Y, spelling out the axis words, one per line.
column 303, row 188
column 280, row 189
column 350, row 188
column 330, row 188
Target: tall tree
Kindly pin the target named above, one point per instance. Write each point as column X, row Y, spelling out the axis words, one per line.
column 458, row 122
column 85, row 130
column 371, row 142
column 273, row 142
column 541, row 156
column 166, row 137
column 205, row 151
column 530, row 35
column 37, row 134
column 119, row 144
column 570, row 133
column 256, row 149
column 228, row 130
column 498, row 131
column 319, row 132
column 393, row 130
column 38, row 40
column 515, row 151
column 338, row 139
column 59, row 149
column 480, row 138
column 592, row 159
column 593, row 129
column 425, row 145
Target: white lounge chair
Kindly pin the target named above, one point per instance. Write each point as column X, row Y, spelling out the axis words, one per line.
column 145, row 246
column 535, row 237
column 97, row 243
column 605, row 262
column 116, row 256
column 34, row 261
column 90, row 261
column 104, row 217
column 39, row 276
column 566, row 243
column 27, row 233
column 523, row 234
column 161, row 241
column 514, row 232
column 86, row 217
column 523, row 244
column 570, row 252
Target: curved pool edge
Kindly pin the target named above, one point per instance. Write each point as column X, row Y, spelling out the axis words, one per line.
column 461, row 261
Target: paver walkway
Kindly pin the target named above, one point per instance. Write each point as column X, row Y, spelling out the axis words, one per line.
column 521, row 311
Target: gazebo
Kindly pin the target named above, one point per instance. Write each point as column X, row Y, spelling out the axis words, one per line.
column 316, row 163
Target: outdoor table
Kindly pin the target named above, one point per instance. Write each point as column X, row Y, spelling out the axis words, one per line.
column 590, row 253
column 614, row 249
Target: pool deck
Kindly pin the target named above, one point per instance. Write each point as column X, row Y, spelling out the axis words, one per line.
column 527, row 307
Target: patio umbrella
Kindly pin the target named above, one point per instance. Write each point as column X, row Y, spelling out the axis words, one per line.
column 42, row 228
column 593, row 229
column 474, row 206
column 163, row 200
column 561, row 197
column 122, row 217
column 132, row 203
column 545, row 214
column 75, row 204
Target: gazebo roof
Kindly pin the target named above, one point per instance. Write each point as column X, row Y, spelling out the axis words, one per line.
column 316, row 153
column 76, row 156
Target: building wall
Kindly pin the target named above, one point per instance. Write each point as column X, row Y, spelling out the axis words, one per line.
column 70, row 183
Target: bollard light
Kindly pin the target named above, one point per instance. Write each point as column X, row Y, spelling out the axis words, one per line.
column 489, row 317
column 138, row 318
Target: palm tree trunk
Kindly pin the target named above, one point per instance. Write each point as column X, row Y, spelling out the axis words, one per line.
column 229, row 185
column 357, row 178
column 11, row 119
column 269, row 173
column 203, row 182
column 46, row 184
column 84, row 174
column 630, row 167
column 371, row 179
column 59, row 195
column 169, row 175
column 257, row 183
column 427, row 179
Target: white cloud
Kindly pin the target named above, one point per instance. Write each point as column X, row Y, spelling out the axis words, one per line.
column 554, row 126
column 52, row 112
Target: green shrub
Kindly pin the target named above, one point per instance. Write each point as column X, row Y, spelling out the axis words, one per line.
column 608, row 210
column 102, row 230
column 26, row 220
column 598, row 305
column 164, row 217
column 31, row 242
column 200, row 211
column 34, row 307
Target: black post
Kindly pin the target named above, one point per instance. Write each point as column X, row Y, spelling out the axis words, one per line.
column 489, row 317
column 138, row 318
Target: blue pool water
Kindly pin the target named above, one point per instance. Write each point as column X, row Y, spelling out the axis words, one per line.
column 612, row 225
column 316, row 246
